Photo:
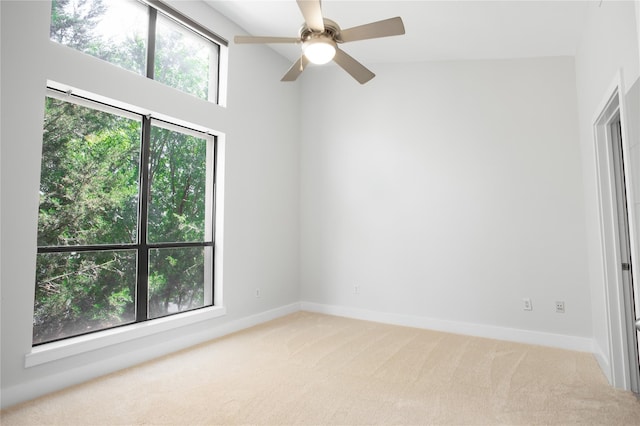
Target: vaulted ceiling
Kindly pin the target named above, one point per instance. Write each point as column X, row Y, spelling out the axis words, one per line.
column 435, row 30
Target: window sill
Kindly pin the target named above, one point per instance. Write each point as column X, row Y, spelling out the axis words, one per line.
column 90, row 342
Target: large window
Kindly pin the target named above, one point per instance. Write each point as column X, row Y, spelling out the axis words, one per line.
column 125, row 225
column 145, row 37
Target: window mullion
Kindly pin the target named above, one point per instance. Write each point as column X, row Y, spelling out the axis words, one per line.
column 142, row 287
column 151, row 42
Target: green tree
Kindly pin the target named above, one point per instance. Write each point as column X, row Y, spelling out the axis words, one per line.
column 73, row 22
column 182, row 60
column 89, row 191
column 89, row 177
column 88, row 196
column 177, row 176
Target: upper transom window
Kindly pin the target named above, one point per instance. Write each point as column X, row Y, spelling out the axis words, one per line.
column 146, row 37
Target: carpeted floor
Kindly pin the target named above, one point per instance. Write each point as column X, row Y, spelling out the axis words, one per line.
column 316, row 369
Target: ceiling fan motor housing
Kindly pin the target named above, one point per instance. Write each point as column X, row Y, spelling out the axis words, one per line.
column 331, row 31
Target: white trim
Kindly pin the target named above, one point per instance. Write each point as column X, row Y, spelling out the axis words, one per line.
column 69, row 95
column 603, row 360
column 177, row 128
column 103, row 103
column 218, row 228
column 610, row 349
column 613, row 102
column 582, row 344
column 84, row 372
column 102, row 339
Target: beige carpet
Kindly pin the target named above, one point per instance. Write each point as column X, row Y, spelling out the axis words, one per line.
column 316, row 369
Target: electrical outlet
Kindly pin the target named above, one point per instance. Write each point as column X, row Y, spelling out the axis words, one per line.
column 257, row 292
column 356, row 289
column 526, row 304
column 560, row 307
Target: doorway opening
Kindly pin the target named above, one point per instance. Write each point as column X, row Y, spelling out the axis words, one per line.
column 624, row 241
column 617, row 239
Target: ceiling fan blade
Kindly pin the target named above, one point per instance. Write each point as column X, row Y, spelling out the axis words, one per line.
column 384, row 28
column 250, row 39
column 296, row 69
column 312, row 12
column 353, row 67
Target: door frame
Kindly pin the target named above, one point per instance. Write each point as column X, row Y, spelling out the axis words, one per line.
column 623, row 371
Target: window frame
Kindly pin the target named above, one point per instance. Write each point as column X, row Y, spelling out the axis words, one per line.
column 156, row 6
column 142, row 246
column 218, row 44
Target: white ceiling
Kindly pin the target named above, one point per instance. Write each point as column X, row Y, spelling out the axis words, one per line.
column 435, row 30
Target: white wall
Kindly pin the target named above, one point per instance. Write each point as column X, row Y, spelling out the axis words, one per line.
column 447, row 192
column 609, row 44
column 261, row 187
column 637, row 3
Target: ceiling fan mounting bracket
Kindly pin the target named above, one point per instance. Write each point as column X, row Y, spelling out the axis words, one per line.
column 331, row 30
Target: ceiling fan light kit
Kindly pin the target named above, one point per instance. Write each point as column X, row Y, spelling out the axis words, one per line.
column 320, row 38
column 319, row 49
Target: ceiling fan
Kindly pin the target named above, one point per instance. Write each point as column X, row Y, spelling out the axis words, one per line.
column 320, row 37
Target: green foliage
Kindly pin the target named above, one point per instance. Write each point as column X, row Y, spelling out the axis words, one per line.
column 131, row 56
column 73, row 22
column 177, row 175
column 89, row 177
column 172, row 286
column 80, row 292
column 177, row 180
column 89, row 193
column 88, row 196
column 182, row 60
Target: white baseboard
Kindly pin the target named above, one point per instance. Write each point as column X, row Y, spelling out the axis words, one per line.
column 581, row 344
column 51, row 383
column 603, row 361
